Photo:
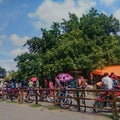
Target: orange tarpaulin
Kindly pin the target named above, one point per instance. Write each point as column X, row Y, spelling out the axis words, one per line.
column 115, row 69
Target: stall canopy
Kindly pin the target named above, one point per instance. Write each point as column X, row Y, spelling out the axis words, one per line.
column 115, row 69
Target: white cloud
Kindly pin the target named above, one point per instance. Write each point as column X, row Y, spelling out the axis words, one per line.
column 107, row 2
column 50, row 11
column 8, row 65
column 19, row 51
column 117, row 14
column 17, row 40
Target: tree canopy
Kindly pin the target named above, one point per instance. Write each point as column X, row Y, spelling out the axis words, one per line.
column 84, row 43
column 2, row 72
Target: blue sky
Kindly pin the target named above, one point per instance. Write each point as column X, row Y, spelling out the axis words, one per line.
column 21, row 20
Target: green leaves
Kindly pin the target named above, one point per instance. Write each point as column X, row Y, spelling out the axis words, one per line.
column 75, row 44
column 2, row 72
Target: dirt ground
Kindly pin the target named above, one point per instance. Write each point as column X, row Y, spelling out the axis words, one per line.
column 15, row 111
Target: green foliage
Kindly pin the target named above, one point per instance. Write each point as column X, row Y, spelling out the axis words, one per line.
column 36, row 105
column 54, row 107
column 76, row 44
column 2, row 72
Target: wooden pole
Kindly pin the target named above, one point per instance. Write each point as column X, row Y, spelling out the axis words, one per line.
column 114, row 107
column 36, row 96
column 78, row 99
column 54, row 96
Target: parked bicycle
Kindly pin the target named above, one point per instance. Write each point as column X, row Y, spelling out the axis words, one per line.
column 63, row 98
column 29, row 95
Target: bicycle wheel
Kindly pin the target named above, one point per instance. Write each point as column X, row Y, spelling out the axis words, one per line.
column 29, row 99
column 66, row 103
column 49, row 98
column 98, row 106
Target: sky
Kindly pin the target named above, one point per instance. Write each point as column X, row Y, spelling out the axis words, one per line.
column 21, row 20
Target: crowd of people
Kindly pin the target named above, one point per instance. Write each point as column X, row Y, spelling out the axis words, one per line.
column 107, row 82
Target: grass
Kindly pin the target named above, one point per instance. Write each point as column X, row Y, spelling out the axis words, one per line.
column 54, row 107
column 115, row 117
column 36, row 105
column 1, row 100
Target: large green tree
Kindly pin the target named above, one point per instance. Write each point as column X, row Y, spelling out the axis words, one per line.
column 75, row 44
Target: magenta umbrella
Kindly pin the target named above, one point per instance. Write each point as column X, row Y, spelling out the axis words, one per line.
column 33, row 79
column 64, row 77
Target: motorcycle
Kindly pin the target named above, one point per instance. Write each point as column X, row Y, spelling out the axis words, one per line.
column 104, row 100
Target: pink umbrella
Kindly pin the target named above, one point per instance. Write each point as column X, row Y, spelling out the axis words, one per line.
column 63, row 77
column 33, row 79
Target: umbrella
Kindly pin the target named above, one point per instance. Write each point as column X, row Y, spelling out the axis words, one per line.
column 33, row 79
column 109, row 69
column 64, row 77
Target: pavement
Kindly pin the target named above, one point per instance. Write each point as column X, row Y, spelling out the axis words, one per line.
column 15, row 111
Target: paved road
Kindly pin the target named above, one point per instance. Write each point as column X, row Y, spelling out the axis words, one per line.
column 14, row 111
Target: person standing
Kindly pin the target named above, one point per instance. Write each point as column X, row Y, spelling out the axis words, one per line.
column 82, row 82
column 46, row 83
column 115, row 80
column 1, row 85
column 30, row 84
column 107, row 85
column 107, row 81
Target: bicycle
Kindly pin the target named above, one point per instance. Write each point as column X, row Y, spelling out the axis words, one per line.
column 30, row 95
column 11, row 93
column 63, row 99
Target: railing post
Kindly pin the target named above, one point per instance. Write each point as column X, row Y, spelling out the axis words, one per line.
column 54, row 96
column 21, row 95
column 83, row 99
column 78, row 99
column 3, row 93
column 114, row 107
column 36, row 96
column 11, row 94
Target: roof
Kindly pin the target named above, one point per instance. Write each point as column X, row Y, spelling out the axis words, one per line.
column 115, row 69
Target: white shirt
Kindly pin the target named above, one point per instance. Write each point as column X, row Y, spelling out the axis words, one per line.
column 108, row 82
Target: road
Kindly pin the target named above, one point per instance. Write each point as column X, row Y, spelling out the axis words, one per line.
column 14, row 111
